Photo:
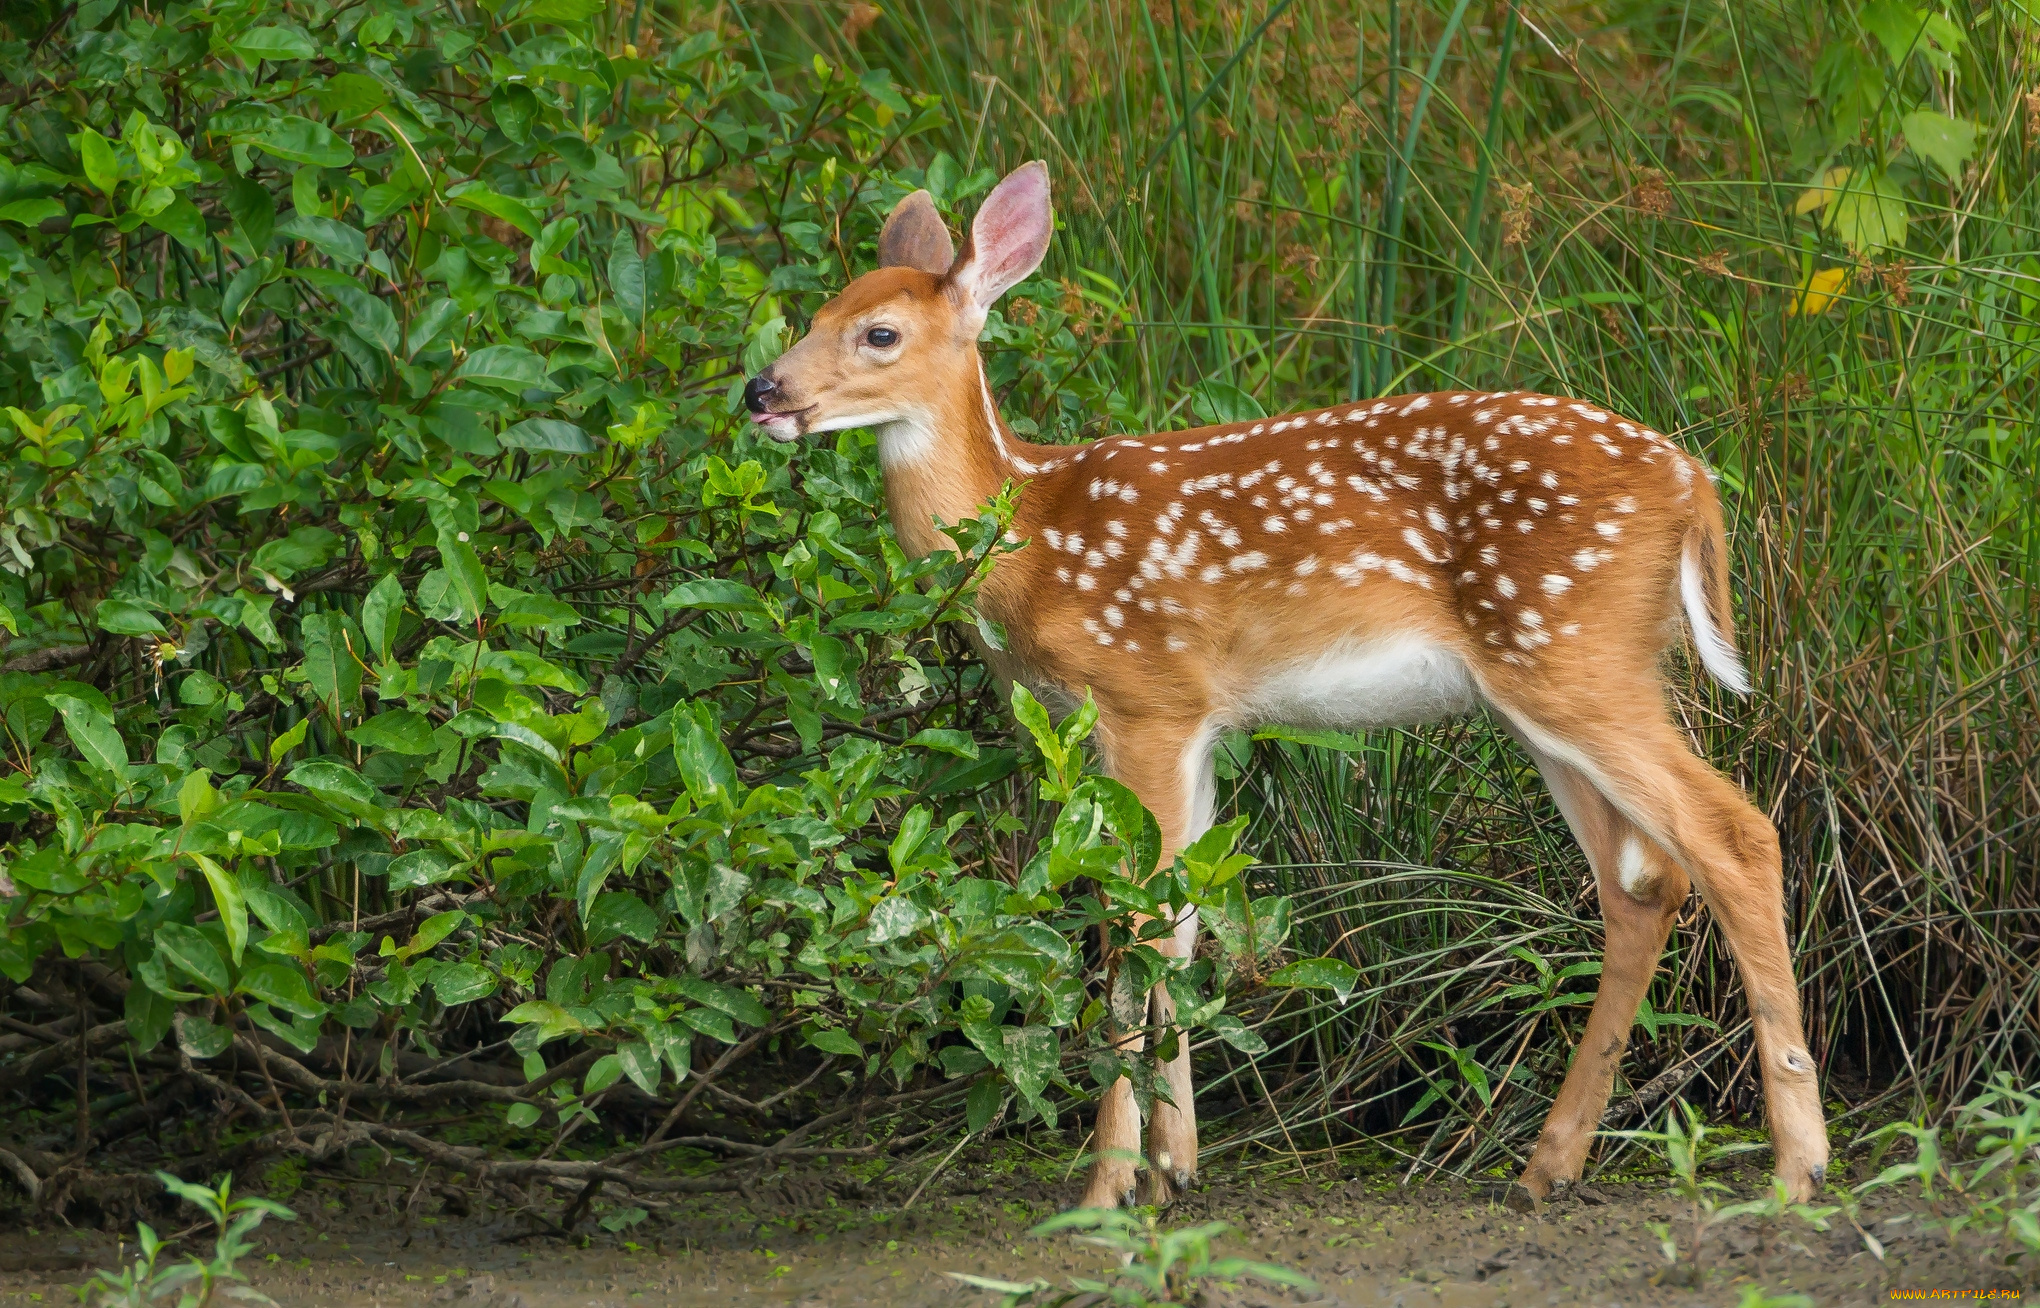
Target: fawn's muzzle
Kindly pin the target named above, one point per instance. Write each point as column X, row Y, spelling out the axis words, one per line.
column 756, row 390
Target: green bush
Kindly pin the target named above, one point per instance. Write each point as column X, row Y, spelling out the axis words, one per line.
column 411, row 639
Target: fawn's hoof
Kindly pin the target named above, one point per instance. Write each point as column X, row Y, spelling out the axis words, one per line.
column 1165, row 1185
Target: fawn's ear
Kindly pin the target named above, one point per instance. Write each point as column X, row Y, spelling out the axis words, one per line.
column 914, row 237
column 1007, row 239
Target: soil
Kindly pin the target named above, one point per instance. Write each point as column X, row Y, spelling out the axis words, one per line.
column 823, row 1240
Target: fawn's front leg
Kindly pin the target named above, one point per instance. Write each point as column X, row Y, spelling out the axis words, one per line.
column 1166, row 761
column 1172, row 1135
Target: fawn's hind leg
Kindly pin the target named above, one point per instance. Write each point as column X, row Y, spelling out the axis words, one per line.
column 1641, row 890
column 1647, row 771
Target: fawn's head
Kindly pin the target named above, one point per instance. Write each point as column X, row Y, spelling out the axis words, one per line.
column 898, row 339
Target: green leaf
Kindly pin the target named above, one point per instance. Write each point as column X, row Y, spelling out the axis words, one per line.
column 740, row 1004
column 551, row 1019
column 464, row 570
column 368, row 315
column 559, row 11
column 124, row 617
column 1217, row 403
column 1033, row 1054
column 945, row 740
column 712, row 1023
column 188, row 949
column 1034, row 718
column 1210, row 861
column 616, row 914
column 895, row 918
column 305, row 547
column 715, row 594
column 510, row 209
column 430, row 932
column 31, row 213
column 706, row 768
column 281, row 985
column 1343, row 741
column 514, row 608
column 982, row 1105
column 522, row 1115
column 1904, row 31
column 422, row 867
column 835, row 1040
column 974, row 1017
column 300, row 1033
column 201, row 1039
column 604, row 1072
column 1333, row 974
column 548, row 434
column 463, row 983
column 627, row 284
column 400, row 730
column 102, row 166
column 514, row 108
column 227, row 897
column 331, row 668
column 254, row 213
column 148, row 1017
column 274, row 43
column 1947, row 142
column 1235, row 1033
column 280, row 748
column 508, row 367
column 196, row 796
column 334, row 780
column 301, row 140
column 272, row 909
column 1870, row 214
column 382, row 616
column 346, row 245
column 352, row 95
column 182, row 220
column 641, row 1065
column 93, row 733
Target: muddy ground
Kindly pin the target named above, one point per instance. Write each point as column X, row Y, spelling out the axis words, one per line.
column 821, row 1241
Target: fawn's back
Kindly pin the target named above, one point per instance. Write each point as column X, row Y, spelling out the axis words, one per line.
column 1423, row 542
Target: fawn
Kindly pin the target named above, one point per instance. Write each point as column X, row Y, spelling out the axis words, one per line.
column 1377, row 563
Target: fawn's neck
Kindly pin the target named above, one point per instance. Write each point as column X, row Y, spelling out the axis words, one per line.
column 948, row 458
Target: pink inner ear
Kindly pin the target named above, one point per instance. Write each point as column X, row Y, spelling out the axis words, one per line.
column 1010, row 234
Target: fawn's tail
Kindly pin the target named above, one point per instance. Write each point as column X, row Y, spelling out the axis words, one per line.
column 1703, row 588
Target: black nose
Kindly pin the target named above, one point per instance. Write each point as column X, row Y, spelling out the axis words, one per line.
column 755, row 391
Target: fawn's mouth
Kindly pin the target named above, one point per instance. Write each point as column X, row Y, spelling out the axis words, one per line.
column 784, row 426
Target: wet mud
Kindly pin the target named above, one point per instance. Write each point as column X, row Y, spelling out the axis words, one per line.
column 815, row 1241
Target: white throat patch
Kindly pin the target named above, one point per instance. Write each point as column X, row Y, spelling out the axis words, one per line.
column 905, row 441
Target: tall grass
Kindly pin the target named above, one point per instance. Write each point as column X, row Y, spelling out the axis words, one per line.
column 1308, row 201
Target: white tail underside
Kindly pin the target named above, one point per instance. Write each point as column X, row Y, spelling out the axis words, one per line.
column 1716, row 655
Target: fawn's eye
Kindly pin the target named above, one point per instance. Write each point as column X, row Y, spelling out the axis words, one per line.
column 883, row 338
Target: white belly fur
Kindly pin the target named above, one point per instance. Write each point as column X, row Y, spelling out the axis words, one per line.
column 1354, row 686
